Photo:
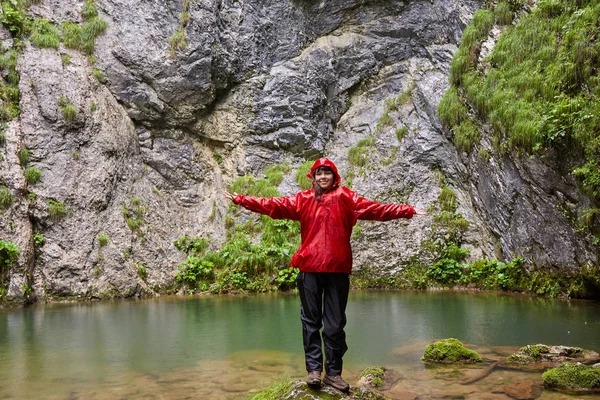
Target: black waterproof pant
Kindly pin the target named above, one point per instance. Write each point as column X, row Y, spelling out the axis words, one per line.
column 324, row 297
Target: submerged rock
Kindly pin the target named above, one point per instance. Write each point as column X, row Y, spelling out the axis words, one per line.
column 523, row 390
column 573, row 376
column 450, row 351
column 299, row 390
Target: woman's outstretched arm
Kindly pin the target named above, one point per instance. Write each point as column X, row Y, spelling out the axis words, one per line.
column 372, row 210
column 274, row 207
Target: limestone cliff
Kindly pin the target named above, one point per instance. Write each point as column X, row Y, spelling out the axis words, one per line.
column 181, row 97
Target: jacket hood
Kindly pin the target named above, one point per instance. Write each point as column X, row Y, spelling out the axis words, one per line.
column 325, row 162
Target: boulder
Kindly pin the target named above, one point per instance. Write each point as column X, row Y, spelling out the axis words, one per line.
column 450, row 351
column 573, row 377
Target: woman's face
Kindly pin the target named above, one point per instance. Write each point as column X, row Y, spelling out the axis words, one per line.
column 324, row 178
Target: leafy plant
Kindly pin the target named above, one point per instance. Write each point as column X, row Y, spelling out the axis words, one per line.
column 38, row 239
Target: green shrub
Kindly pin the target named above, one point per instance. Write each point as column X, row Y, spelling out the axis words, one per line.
column 2, row 138
column 6, row 197
column 56, row 210
column 9, row 253
column 32, row 175
column 14, row 16
column 44, row 34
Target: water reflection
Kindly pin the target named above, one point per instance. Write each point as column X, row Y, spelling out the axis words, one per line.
column 134, row 348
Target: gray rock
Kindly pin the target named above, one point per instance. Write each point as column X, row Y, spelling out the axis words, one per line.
column 259, row 83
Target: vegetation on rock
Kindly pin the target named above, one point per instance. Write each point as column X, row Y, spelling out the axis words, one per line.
column 9, row 253
column 257, row 253
column 572, row 376
column 449, row 351
column 538, row 89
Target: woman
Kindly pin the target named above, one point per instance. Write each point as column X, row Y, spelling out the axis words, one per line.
column 327, row 213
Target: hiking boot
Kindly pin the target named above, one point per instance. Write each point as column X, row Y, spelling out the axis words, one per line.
column 336, row 382
column 314, row 379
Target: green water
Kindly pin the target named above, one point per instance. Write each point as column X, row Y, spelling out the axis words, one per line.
column 228, row 346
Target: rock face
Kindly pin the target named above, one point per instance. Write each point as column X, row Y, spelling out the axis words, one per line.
column 151, row 148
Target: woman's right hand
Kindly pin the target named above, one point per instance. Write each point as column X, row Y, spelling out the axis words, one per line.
column 229, row 195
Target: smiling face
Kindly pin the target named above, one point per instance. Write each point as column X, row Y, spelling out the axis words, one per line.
column 324, row 177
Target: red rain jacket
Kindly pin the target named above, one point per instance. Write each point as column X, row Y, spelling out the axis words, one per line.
column 325, row 225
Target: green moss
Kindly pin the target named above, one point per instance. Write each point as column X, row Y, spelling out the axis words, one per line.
column 449, row 351
column 276, row 391
column 375, row 375
column 572, row 376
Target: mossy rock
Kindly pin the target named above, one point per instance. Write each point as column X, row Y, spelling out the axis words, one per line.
column 450, row 351
column 299, row 390
column 373, row 376
column 546, row 356
column 573, row 376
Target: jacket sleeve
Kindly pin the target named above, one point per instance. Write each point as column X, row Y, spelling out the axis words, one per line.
column 275, row 207
column 372, row 210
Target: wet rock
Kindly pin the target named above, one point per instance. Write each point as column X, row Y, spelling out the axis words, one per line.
column 541, row 356
column 450, row 351
column 573, row 376
column 300, row 390
column 523, row 390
